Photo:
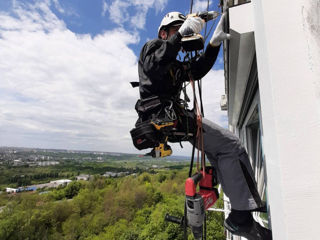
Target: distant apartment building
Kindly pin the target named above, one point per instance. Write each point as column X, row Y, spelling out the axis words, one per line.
column 60, row 182
column 115, row 174
column 51, row 184
column 21, row 189
column 11, row 190
column 84, row 177
column 18, row 162
column 272, row 95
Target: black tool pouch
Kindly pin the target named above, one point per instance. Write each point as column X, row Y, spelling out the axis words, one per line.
column 148, row 106
column 144, row 135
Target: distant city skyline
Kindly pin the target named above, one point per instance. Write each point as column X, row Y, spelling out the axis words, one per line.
column 65, row 68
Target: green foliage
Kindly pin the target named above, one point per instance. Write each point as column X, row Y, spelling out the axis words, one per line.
column 145, row 177
column 127, row 208
column 162, row 178
column 72, row 189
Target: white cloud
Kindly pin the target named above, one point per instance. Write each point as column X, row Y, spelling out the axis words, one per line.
column 213, row 87
column 118, row 12
column 61, row 89
column 104, row 8
column 133, row 11
column 68, row 11
column 58, row 6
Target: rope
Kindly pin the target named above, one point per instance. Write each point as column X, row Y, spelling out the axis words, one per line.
column 191, row 5
column 199, row 135
column 205, row 30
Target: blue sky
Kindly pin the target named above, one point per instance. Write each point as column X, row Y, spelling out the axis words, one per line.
column 65, row 68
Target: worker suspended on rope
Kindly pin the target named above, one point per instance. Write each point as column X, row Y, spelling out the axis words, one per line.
column 161, row 79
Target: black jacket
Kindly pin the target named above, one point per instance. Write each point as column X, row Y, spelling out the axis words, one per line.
column 162, row 75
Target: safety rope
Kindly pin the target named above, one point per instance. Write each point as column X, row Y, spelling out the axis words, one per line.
column 199, row 132
column 191, row 5
column 198, row 137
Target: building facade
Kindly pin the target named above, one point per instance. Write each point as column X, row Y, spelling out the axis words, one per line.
column 272, row 77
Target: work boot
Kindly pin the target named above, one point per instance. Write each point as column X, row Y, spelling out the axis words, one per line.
column 251, row 231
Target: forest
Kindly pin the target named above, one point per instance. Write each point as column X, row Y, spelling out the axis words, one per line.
column 132, row 207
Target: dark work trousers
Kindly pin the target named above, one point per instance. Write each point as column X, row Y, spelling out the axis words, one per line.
column 226, row 153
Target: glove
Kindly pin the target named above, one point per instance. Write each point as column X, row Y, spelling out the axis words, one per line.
column 191, row 25
column 219, row 35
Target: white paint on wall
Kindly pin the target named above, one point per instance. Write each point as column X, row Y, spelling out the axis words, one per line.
column 288, row 56
column 241, row 18
column 310, row 14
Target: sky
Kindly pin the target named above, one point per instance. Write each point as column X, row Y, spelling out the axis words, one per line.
column 65, row 68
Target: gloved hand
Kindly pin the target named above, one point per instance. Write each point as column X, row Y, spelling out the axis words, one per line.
column 191, row 25
column 219, row 35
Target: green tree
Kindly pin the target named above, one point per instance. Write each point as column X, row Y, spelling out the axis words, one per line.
column 72, row 189
column 162, row 178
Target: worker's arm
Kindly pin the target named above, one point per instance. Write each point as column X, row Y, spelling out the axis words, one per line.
column 154, row 63
column 158, row 53
column 203, row 65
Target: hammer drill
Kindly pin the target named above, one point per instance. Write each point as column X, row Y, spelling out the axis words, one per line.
column 197, row 202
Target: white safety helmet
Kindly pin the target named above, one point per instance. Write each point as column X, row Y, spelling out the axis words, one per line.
column 171, row 19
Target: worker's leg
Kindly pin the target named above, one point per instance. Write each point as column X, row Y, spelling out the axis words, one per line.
column 225, row 151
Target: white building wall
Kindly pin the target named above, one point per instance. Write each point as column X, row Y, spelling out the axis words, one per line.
column 287, row 35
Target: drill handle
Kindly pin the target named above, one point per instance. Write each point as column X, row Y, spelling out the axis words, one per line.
column 197, row 178
column 191, row 184
column 205, row 15
column 174, row 219
column 208, row 15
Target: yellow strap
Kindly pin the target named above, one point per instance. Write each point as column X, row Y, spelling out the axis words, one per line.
column 158, row 127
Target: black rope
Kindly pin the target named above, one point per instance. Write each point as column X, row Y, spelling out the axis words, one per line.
column 191, row 4
column 200, row 96
column 195, row 130
column 192, row 155
column 206, row 36
column 205, row 226
column 195, row 138
column 185, row 223
column 205, row 30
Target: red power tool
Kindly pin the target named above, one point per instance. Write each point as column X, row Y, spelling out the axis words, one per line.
column 198, row 202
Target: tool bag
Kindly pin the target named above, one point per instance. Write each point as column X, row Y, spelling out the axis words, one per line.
column 148, row 106
column 156, row 120
column 144, row 135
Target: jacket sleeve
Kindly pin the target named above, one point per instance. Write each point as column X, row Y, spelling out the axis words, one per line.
column 202, row 66
column 158, row 53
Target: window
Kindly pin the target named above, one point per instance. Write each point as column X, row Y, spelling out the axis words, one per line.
column 250, row 134
column 231, row 3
